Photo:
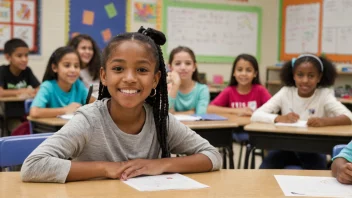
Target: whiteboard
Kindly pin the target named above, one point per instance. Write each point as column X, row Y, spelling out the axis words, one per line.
column 337, row 27
column 215, row 33
column 302, row 28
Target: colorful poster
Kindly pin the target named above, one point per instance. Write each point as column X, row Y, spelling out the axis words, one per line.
column 141, row 13
column 5, row 11
column 101, row 19
column 24, row 12
column 20, row 19
column 5, row 33
column 25, row 33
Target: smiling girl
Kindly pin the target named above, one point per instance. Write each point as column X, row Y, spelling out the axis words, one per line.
column 61, row 91
column 186, row 94
column 89, row 54
column 306, row 96
column 244, row 93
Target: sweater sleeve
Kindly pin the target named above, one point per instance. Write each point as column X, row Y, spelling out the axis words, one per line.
column 268, row 112
column 204, row 99
column 49, row 161
column 182, row 140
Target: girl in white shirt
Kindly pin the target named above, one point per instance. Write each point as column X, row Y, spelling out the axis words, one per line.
column 305, row 96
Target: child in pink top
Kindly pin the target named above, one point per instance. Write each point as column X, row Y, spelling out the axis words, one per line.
column 245, row 93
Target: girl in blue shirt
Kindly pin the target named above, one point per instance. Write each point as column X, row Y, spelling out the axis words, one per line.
column 186, row 94
column 61, row 91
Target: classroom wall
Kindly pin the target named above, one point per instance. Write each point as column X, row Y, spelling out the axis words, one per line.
column 269, row 39
column 53, row 35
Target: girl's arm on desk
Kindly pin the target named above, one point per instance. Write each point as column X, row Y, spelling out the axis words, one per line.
column 15, row 92
column 128, row 169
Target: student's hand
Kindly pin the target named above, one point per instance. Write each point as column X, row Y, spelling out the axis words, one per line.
column 72, row 107
column 138, row 167
column 114, row 170
column 344, row 173
column 288, row 118
column 244, row 111
column 315, row 122
column 26, row 92
column 173, row 78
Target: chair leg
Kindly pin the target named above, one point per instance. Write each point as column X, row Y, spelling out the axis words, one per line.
column 248, row 152
column 253, row 158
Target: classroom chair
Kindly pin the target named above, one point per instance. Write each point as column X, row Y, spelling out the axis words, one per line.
column 15, row 149
column 337, row 149
column 243, row 139
column 27, row 107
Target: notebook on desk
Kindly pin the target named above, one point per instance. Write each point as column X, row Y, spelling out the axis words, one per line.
column 196, row 117
column 299, row 123
column 214, row 117
column 66, row 116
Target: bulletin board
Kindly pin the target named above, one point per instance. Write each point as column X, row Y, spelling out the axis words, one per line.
column 215, row 32
column 101, row 19
column 316, row 26
column 20, row 19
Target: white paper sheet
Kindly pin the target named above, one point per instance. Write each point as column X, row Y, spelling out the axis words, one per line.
column 66, row 116
column 299, row 123
column 187, row 118
column 164, row 182
column 312, row 186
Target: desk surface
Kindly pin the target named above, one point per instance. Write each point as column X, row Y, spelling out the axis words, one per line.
column 49, row 121
column 12, row 99
column 224, row 183
column 330, row 130
column 345, row 100
column 234, row 121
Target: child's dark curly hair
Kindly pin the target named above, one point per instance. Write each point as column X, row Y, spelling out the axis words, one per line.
column 326, row 67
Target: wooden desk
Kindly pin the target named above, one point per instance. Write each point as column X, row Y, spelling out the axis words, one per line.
column 12, row 99
column 224, row 184
column 310, row 139
column 12, row 107
column 345, row 100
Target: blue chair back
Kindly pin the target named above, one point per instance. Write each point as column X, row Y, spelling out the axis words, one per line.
column 27, row 107
column 337, row 149
column 15, row 149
